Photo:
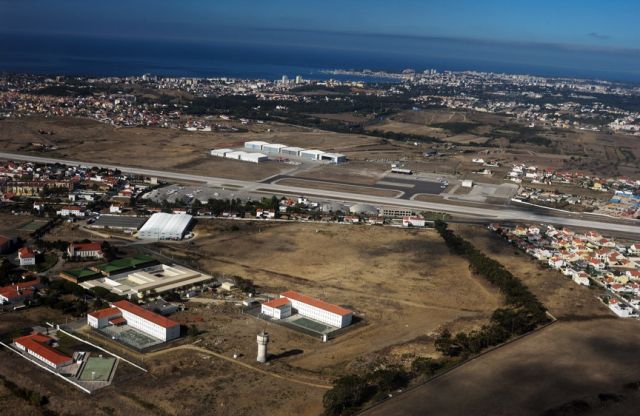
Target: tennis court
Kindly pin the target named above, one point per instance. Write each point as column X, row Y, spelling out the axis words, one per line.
column 97, row 369
column 310, row 325
column 33, row 225
column 131, row 336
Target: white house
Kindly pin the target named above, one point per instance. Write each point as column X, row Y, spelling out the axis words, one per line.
column 85, row 250
column 141, row 319
column 277, row 308
column 71, row 210
column 265, row 213
column 556, row 262
column 413, row 221
column 26, row 256
column 319, row 310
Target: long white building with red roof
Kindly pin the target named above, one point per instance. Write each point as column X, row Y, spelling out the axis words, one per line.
column 40, row 346
column 319, row 310
column 125, row 312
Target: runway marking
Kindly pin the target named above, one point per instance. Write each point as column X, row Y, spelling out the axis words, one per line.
column 402, row 185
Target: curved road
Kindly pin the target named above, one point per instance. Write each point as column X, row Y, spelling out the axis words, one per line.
column 513, row 214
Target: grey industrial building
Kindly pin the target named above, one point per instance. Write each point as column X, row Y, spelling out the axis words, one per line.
column 163, row 226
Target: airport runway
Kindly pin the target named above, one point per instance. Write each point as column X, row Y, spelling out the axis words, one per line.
column 524, row 214
column 408, row 187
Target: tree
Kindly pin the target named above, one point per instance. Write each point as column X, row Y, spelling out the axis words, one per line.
column 193, row 331
column 424, row 365
column 348, row 392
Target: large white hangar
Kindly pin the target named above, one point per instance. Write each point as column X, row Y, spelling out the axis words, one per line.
column 163, row 226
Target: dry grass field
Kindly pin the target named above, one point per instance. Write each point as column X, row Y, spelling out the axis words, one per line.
column 12, row 225
column 404, row 284
column 563, row 298
column 579, row 365
column 156, row 148
column 557, row 370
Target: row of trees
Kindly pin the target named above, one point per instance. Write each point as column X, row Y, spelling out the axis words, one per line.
column 523, row 313
column 350, row 392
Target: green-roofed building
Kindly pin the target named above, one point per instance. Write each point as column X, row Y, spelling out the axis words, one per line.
column 127, row 264
column 79, row 275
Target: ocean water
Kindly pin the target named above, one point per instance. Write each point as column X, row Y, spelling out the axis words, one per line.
column 297, row 54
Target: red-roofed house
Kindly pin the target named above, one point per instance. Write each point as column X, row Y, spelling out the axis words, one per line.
column 39, row 346
column 277, row 308
column 319, row 310
column 19, row 292
column 139, row 318
column 633, row 274
column 27, row 257
column 85, row 250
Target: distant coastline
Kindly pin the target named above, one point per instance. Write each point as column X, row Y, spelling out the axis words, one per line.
column 69, row 55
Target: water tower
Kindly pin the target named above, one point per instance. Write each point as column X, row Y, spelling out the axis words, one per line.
column 263, row 340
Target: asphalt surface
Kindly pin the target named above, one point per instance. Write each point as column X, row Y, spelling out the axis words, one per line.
column 408, row 187
column 513, row 213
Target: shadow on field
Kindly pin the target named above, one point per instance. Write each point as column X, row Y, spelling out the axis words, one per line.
column 571, row 368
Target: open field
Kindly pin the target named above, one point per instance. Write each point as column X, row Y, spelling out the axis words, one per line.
column 404, row 284
column 548, row 371
column 15, row 225
column 593, row 152
column 178, row 382
column 157, row 148
column 562, row 297
column 560, row 369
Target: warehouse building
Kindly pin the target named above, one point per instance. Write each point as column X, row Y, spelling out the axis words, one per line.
column 126, row 223
column 254, row 157
column 41, row 347
column 163, row 226
column 291, row 151
column 276, row 308
column 126, row 313
column 311, row 154
column 247, row 157
column 333, row 157
column 220, row 152
column 273, row 148
column 319, row 310
column 156, row 278
column 254, row 145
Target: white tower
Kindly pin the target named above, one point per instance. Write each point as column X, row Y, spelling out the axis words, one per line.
column 263, row 340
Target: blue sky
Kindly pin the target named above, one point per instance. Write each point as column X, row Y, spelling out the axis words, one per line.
column 587, row 23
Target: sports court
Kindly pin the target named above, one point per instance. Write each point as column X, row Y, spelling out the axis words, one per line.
column 97, row 368
column 130, row 336
column 33, row 225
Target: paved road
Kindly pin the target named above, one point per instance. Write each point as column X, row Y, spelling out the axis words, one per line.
column 492, row 213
